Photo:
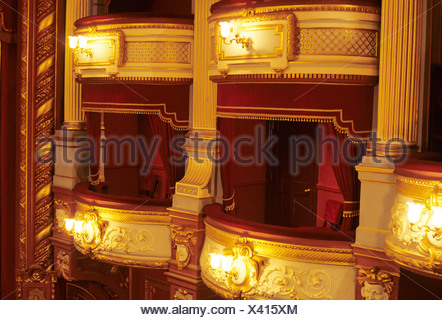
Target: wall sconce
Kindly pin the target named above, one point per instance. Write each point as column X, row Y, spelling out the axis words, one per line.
column 79, row 44
column 221, row 262
column 425, row 218
column 73, row 226
column 87, row 231
column 238, row 268
column 225, row 30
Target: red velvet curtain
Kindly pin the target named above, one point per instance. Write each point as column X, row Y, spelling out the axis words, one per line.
column 226, row 127
column 347, row 178
column 94, row 133
column 164, row 131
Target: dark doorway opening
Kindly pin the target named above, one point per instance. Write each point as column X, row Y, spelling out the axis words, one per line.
column 291, row 191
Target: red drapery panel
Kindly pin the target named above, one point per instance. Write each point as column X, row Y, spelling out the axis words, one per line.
column 300, row 101
column 226, row 130
column 347, row 178
column 170, row 102
column 163, row 131
column 94, row 134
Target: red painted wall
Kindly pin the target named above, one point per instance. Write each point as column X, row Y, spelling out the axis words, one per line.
column 8, row 153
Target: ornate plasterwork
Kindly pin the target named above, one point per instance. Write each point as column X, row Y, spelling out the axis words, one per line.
column 181, row 294
column 295, row 8
column 36, row 294
column 36, row 284
column 416, row 188
column 254, row 24
column 37, row 71
column 61, row 213
column 158, row 52
column 315, row 42
column 128, row 238
column 197, row 179
column 413, row 245
column 136, row 53
column 44, row 103
column 91, row 234
column 183, row 240
column 252, row 276
column 282, row 282
column 100, row 42
column 335, row 41
column 104, row 27
column 375, row 283
column 284, row 250
column 98, row 235
column 62, row 265
column 127, row 260
column 399, row 226
column 128, row 216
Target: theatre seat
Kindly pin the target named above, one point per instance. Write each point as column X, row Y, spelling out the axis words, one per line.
column 333, row 214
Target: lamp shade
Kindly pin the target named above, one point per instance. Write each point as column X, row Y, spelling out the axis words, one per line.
column 73, row 42
column 225, row 28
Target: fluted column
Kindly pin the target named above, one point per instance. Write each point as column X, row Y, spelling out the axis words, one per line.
column 73, row 116
column 204, row 90
column 400, row 69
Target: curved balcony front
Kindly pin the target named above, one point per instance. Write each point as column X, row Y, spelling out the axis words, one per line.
column 415, row 231
column 129, row 231
column 135, row 47
column 333, row 41
column 247, row 260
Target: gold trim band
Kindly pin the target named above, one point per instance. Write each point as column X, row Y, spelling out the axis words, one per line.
column 128, row 216
column 410, row 260
column 136, row 79
column 300, row 76
column 416, row 188
column 151, row 263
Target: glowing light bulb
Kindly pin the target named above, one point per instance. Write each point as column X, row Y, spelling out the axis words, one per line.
column 226, row 263
column 414, row 211
column 78, row 226
column 215, row 260
column 69, row 224
column 82, row 42
column 225, row 28
column 73, row 42
column 436, row 219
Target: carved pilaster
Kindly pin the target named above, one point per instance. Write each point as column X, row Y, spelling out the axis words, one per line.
column 37, row 64
column 44, row 104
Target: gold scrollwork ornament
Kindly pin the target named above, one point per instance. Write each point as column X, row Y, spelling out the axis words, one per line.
column 61, row 213
column 246, row 267
column 62, row 264
column 183, row 240
column 181, row 294
column 91, row 235
column 279, row 282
